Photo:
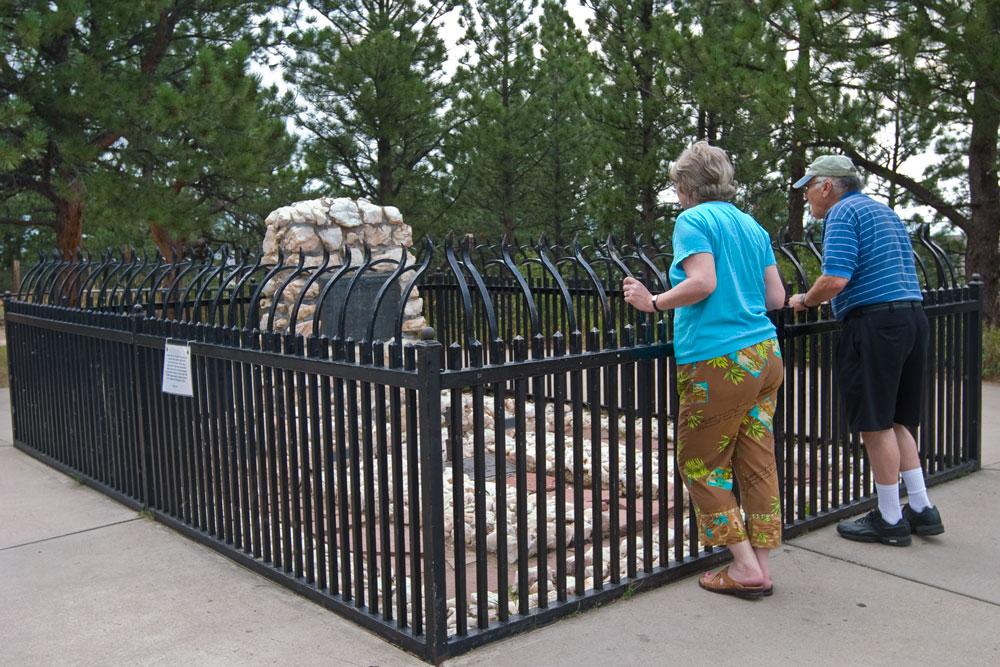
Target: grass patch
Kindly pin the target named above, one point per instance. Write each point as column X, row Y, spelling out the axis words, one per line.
column 991, row 353
column 4, row 382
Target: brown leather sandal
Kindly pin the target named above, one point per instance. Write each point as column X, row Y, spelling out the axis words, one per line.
column 722, row 583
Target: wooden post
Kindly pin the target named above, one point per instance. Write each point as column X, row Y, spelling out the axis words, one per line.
column 15, row 270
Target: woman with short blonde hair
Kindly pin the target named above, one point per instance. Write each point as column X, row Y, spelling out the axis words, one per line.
column 705, row 173
column 729, row 368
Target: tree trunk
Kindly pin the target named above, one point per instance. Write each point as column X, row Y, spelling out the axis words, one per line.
column 69, row 226
column 385, row 180
column 69, row 236
column 166, row 245
column 983, row 249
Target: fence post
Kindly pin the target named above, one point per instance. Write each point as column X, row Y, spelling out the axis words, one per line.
column 12, row 362
column 974, row 372
column 430, row 357
column 140, row 419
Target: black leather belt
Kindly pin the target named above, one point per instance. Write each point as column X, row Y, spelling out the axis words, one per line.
column 888, row 305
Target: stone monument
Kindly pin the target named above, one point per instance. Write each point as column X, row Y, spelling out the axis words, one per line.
column 334, row 224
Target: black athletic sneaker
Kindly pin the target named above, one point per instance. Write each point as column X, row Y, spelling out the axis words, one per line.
column 873, row 528
column 925, row 522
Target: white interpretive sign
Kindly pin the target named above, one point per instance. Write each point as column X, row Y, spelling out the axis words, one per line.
column 177, row 369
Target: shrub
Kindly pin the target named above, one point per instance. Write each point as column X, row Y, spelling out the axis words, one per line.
column 991, row 353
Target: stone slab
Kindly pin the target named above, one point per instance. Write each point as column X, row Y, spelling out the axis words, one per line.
column 6, row 426
column 140, row 594
column 991, row 424
column 39, row 503
column 956, row 561
column 824, row 612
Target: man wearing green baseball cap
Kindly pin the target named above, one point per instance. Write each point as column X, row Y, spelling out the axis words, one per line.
column 870, row 277
column 828, row 165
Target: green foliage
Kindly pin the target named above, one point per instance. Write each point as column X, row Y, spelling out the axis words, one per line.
column 499, row 142
column 121, row 115
column 564, row 78
column 139, row 114
column 371, row 77
column 991, row 353
column 640, row 112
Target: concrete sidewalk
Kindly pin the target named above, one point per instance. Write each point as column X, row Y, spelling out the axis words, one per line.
column 84, row 580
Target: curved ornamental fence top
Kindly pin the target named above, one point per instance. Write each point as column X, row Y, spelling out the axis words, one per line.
column 444, row 493
column 472, row 294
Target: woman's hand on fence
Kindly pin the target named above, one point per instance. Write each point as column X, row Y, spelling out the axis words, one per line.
column 637, row 296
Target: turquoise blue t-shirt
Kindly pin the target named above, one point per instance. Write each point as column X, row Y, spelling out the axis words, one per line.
column 734, row 315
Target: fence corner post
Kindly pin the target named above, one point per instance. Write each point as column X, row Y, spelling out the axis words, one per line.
column 975, row 371
column 430, row 356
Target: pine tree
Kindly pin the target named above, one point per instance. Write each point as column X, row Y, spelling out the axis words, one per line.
column 936, row 63
column 496, row 153
column 143, row 112
column 731, row 72
column 641, row 122
column 371, row 74
column 564, row 77
column 812, row 94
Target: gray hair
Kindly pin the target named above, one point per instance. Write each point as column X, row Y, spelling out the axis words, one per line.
column 704, row 173
column 842, row 184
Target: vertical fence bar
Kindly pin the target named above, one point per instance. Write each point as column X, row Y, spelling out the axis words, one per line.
column 576, row 402
column 377, row 357
column 343, row 506
column 645, row 398
column 815, row 479
column 252, row 439
column 413, row 471
column 628, row 395
column 974, row 375
column 330, row 486
column 357, row 510
column 140, row 413
column 559, row 440
column 456, row 413
column 663, row 390
column 312, row 491
column 479, row 494
column 368, row 459
column 596, row 478
column 300, row 468
column 398, row 490
column 238, row 444
column 498, row 351
column 292, row 466
column 541, row 487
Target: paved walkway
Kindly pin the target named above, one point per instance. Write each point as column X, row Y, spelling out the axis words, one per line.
column 84, row 580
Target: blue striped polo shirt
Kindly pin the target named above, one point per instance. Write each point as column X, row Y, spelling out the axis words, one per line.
column 866, row 242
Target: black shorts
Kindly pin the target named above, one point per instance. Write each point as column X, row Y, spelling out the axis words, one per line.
column 881, row 358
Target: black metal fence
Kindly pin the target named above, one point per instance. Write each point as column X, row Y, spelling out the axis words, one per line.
column 442, row 493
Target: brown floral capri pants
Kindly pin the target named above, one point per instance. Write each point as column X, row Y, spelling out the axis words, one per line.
column 726, row 425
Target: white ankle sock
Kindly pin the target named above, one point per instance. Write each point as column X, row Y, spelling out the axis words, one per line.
column 915, row 489
column 888, row 502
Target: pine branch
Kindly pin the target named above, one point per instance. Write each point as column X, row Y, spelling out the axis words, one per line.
column 30, row 222
column 922, row 193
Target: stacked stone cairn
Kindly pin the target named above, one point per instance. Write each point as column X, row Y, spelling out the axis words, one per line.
column 334, row 224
